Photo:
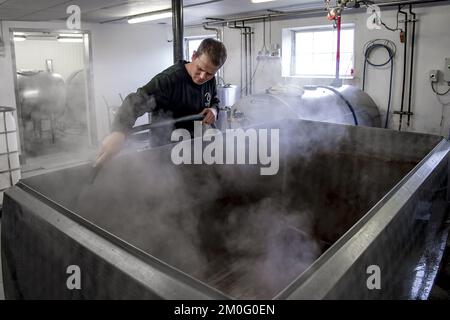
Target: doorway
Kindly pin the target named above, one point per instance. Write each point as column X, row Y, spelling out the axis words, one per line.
column 54, row 93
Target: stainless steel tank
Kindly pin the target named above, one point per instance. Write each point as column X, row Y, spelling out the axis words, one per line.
column 345, row 198
column 41, row 94
column 345, row 105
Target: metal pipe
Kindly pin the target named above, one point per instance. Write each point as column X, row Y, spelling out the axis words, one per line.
column 216, row 30
column 312, row 11
column 248, row 31
column 260, row 17
column 245, row 57
column 177, row 26
column 396, row 3
column 240, row 61
column 404, row 66
column 413, row 36
column 219, row 36
column 243, row 33
column 338, row 49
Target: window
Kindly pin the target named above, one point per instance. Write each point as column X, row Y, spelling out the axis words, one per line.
column 313, row 52
column 191, row 44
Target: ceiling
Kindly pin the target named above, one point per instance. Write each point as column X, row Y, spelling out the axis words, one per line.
column 116, row 11
column 99, row 11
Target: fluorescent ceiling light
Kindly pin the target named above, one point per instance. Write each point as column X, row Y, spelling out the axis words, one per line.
column 150, row 17
column 69, row 39
column 20, row 38
column 260, row 1
column 71, row 35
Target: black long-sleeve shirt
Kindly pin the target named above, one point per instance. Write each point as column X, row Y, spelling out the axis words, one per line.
column 170, row 94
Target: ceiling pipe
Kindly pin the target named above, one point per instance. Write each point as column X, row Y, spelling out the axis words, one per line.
column 218, row 31
column 219, row 35
column 310, row 11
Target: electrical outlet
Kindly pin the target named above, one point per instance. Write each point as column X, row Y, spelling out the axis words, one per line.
column 434, row 75
column 447, row 70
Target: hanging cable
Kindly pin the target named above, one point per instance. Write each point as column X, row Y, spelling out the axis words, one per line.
column 438, row 93
column 389, row 28
column 391, row 49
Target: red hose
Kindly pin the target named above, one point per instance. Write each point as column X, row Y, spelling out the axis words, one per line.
column 338, row 50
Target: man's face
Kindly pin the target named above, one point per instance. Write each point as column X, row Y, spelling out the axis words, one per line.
column 202, row 69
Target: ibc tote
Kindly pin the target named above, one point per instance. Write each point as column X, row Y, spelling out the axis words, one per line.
column 9, row 152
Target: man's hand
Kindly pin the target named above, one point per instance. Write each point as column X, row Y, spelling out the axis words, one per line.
column 209, row 115
column 111, row 145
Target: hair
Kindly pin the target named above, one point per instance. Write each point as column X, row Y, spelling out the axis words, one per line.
column 214, row 49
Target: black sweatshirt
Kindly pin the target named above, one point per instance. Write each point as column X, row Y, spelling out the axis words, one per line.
column 170, row 94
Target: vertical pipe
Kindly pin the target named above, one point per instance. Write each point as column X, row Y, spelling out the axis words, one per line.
column 250, row 58
column 413, row 35
column 404, row 66
column 244, row 33
column 338, row 49
column 240, row 62
column 219, row 37
column 177, row 26
column 245, row 58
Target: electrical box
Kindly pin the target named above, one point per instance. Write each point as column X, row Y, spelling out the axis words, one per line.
column 447, row 70
column 434, row 75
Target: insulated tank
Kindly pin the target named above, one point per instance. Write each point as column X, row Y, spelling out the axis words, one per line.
column 41, row 94
column 9, row 150
column 343, row 105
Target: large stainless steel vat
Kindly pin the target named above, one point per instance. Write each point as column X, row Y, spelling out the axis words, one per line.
column 345, row 105
column 345, row 198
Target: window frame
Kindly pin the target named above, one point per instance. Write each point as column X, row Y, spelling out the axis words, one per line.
column 189, row 38
column 324, row 28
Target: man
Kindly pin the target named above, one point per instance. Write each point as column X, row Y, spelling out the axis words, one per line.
column 186, row 88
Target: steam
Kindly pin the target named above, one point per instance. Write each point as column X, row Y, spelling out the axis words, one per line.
column 227, row 226
column 54, row 114
column 247, row 235
column 276, row 245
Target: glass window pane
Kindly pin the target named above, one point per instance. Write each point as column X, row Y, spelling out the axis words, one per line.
column 315, row 53
column 347, row 41
column 192, row 46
